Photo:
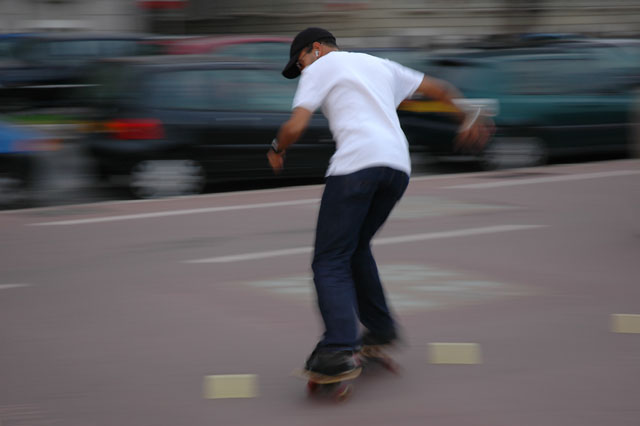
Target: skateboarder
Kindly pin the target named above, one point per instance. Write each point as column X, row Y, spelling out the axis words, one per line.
column 366, row 177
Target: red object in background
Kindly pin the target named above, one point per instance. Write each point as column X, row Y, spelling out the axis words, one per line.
column 162, row 4
column 208, row 44
column 136, row 129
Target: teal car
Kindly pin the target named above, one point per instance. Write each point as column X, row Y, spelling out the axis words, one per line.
column 572, row 98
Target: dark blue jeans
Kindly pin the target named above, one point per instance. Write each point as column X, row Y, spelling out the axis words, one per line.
column 348, row 287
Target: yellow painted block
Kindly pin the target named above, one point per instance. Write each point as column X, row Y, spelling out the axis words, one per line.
column 625, row 323
column 230, row 386
column 454, row 353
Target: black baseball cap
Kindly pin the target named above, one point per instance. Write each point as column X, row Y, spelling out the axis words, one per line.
column 302, row 40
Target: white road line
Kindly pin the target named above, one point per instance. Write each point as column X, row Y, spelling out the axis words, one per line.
column 166, row 199
column 546, row 179
column 252, row 256
column 8, row 286
column 175, row 213
column 378, row 242
column 453, row 234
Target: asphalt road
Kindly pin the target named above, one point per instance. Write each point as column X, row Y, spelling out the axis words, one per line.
column 146, row 313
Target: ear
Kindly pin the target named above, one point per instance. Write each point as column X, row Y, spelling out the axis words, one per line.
column 317, row 45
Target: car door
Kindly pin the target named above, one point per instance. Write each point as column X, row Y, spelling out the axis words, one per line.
column 248, row 107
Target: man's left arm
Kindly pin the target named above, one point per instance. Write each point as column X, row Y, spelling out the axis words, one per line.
column 474, row 132
column 288, row 134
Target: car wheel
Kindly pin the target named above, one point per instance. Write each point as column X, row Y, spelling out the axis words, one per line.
column 16, row 180
column 166, row 178
column 12, row 190
column 512, row 152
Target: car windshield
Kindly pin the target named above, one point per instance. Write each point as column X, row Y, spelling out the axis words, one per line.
column 77, row 51
column 221, row 90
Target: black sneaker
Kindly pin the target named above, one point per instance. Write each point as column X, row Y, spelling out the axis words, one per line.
column 379, row 339
column 328, row 363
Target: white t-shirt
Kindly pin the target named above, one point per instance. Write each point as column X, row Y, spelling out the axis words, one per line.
column 359, row 94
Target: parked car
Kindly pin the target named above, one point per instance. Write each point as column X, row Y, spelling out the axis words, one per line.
column 42, row 69
column 169, row 125
column 566, row 98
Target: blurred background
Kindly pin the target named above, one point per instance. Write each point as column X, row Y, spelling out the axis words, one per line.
column 112, row 99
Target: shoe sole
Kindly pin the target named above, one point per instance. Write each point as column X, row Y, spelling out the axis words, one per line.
column 323, row 379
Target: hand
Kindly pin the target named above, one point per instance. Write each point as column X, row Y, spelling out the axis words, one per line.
column 476, row 136
column 276, row 161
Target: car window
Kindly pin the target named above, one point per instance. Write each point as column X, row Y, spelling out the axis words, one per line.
column 625, row 56
column 150, row 47
column 631, row 55
column 472, row 79
column 554, row 75
column 221, row 90
column 8, row 47
column 113, row 48
column 32, row 50
column 253, row 90
column 184, row 89
column 270, row 51
column 75, row 48
column 62, row 51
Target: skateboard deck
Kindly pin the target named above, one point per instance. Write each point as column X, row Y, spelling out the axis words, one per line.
column 337, row 387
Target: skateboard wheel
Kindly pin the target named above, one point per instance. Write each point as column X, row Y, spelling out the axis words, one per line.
column 391, row 366
column 343, row 393
column 312, row 387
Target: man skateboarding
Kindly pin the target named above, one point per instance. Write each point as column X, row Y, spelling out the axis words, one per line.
column 367, row 175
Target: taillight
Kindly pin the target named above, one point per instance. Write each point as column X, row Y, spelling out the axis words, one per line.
column 136, row 128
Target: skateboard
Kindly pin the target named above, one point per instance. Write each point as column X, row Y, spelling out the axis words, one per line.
column 339, row 388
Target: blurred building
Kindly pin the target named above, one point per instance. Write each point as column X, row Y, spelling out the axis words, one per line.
column 406, row 20
column 414, row 18
column 93, row 15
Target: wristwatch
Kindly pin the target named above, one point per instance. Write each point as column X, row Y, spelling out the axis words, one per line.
column 274, row 146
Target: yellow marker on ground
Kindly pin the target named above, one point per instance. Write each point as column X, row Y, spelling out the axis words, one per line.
column 230, row 386
column 625, row 323
column 454, row 353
